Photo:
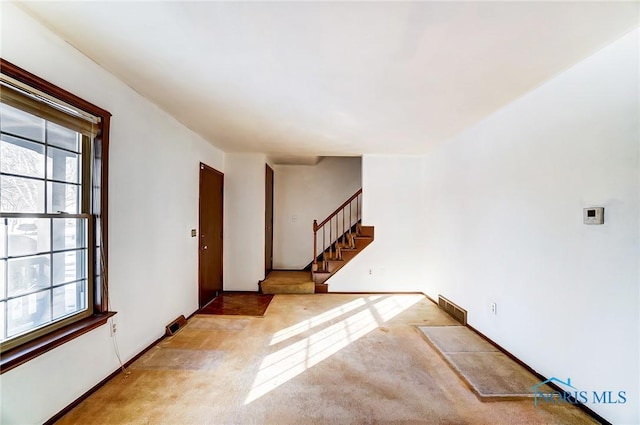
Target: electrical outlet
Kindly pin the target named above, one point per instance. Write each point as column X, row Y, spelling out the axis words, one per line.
column 370, row 271
column 113, row 329
column 494, row 308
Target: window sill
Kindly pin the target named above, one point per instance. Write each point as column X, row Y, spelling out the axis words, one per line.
column 22, row 354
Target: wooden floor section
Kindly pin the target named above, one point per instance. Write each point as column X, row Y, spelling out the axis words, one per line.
column 238, row 304
column 312, row 359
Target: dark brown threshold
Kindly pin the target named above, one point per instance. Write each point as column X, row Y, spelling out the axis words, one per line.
column 22, row 354
column 96, row 387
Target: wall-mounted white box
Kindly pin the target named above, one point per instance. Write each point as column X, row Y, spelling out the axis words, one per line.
column 594, row 215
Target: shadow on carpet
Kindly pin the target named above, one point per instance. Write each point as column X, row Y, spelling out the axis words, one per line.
column 238, row 304
column 490, row 374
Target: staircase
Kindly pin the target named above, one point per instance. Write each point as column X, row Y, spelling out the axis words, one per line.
column 336, row 240
column 336, row 259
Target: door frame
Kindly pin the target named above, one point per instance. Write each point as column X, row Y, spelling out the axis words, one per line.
column 201, row 168
column 267, row 269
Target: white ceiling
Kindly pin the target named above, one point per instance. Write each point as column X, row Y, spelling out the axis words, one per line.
column 306, row 79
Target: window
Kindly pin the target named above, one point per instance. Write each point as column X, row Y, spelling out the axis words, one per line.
column 53, row 149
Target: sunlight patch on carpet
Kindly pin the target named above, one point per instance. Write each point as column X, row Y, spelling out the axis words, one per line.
column 285, row 364
column 318, row 320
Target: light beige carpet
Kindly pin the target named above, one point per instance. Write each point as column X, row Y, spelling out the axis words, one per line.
column 312, row 359
column 490, row 373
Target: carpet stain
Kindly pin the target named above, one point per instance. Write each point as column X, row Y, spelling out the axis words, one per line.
column 177, row 359
column 221, row 324
column 312, row 359
column 488, row 372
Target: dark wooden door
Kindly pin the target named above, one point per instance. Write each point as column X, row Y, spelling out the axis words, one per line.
column 210, row 235
column 268, row 222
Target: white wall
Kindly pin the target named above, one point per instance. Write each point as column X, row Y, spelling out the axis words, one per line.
column 503, row 223
column 304, row 193
column 392, row 197
column 153, row 204
column 495, row 215
column 244, row 202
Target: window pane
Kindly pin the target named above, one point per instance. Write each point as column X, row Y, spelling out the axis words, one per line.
column 63, row 197
column 69, row 299
column 63, row 137
column 3, row 237
column 69, row 233
column 28, row 236
column 28, row 312
column 18, row 156
column 3, row 266
column 62, row 165
column 21, row 195
column 28, row 274
column 21, row 123
column 68, row 266
column 3, row 307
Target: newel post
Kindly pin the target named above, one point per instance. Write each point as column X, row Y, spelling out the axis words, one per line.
column 315, row 241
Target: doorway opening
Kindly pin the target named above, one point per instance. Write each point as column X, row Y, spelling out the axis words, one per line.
column 268, row 221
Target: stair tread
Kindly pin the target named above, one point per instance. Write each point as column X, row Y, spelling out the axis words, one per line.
column 350, row 243
column 279, row 287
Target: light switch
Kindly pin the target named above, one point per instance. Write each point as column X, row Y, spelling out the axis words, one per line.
column 593, row 215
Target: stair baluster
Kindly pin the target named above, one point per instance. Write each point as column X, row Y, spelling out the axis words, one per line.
column 315, row 245
column 330, row 239
column 324, row 260
column 342, row 238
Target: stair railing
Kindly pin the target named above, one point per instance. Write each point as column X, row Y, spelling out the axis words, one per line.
column 340, row 227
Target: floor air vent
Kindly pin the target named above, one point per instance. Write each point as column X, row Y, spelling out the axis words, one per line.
column 454, row 310
column 175, row 326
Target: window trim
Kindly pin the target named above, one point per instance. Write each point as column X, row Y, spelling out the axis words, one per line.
column 99, row 209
